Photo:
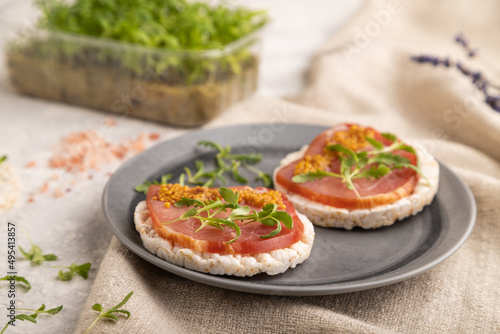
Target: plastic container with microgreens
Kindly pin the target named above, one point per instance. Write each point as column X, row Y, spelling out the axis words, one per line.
column 173, row 61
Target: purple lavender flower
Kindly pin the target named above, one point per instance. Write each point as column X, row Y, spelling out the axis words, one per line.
column 463, row 69
column 494, row 102
column 478, row 79
column 435, row 61
column 460, row 39
column 472, row 52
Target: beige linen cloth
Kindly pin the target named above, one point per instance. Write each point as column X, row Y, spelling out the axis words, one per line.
column 363, row 74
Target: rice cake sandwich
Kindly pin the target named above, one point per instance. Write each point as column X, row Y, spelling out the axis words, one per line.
column 224, row 231
column 10, row 185
column 351, row 175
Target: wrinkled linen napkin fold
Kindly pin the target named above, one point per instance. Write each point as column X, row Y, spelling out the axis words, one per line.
column 363, row 74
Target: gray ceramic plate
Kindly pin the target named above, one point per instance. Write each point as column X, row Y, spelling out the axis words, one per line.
column 341, row 261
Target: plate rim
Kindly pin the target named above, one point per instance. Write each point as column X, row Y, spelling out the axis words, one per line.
column 264, row 287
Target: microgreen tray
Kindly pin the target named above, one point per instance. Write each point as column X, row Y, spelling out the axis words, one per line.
column 186, row 88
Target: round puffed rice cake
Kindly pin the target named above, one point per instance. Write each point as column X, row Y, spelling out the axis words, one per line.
column 10, row 186
column 383, row 215
column 272, row 263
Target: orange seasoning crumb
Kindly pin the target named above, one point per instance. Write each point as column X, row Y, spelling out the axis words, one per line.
column 171, row 193
column 354, row 137
column 260, row 199
column 30, row 164
column 311, row 163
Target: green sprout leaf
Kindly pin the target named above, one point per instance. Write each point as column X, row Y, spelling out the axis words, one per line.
column 342, row 149
column 226, row 164
column 35, row 254
column 165, row 178
column 365, row 164
column 49, row 257
column 213, row 145
column 184, row 201
column 389, row 136
column 54, row 310
column 269, row 215
column 375, row 143
column 81, row 270
column 66, row 276
column 109, row 314
column 18, row 279
column 3, row 158
column 252, row 158
column 375, row 172
column 285, row 218
column 407, row 148
column 97, row 307
column 311, row 176
column 190, row 213
column 236, row 174
column 241, row 211
column 266, row 179
column 144, row 187
column 273, row 233
column 229, row 196
column 23, row 317
column 32, row 317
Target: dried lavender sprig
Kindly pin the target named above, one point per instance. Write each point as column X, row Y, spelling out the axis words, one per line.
column 477, row 78
column 435, row 61
column 493, row 101
column 460, row 39
column 472, row 52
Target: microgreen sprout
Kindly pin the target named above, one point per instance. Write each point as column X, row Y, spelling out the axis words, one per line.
column 111, row 313
column 18, row 279
column 32, row 317
column 2, row 158
column 174, row 25
column 206, row 212
column 225, row 163
column 365, row 164
column 35, row 254
column 169, row 24
column 143, row 187
column 82, row 270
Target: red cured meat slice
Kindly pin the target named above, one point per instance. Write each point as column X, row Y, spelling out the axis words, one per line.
column 213, row 240
column 331, row 191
